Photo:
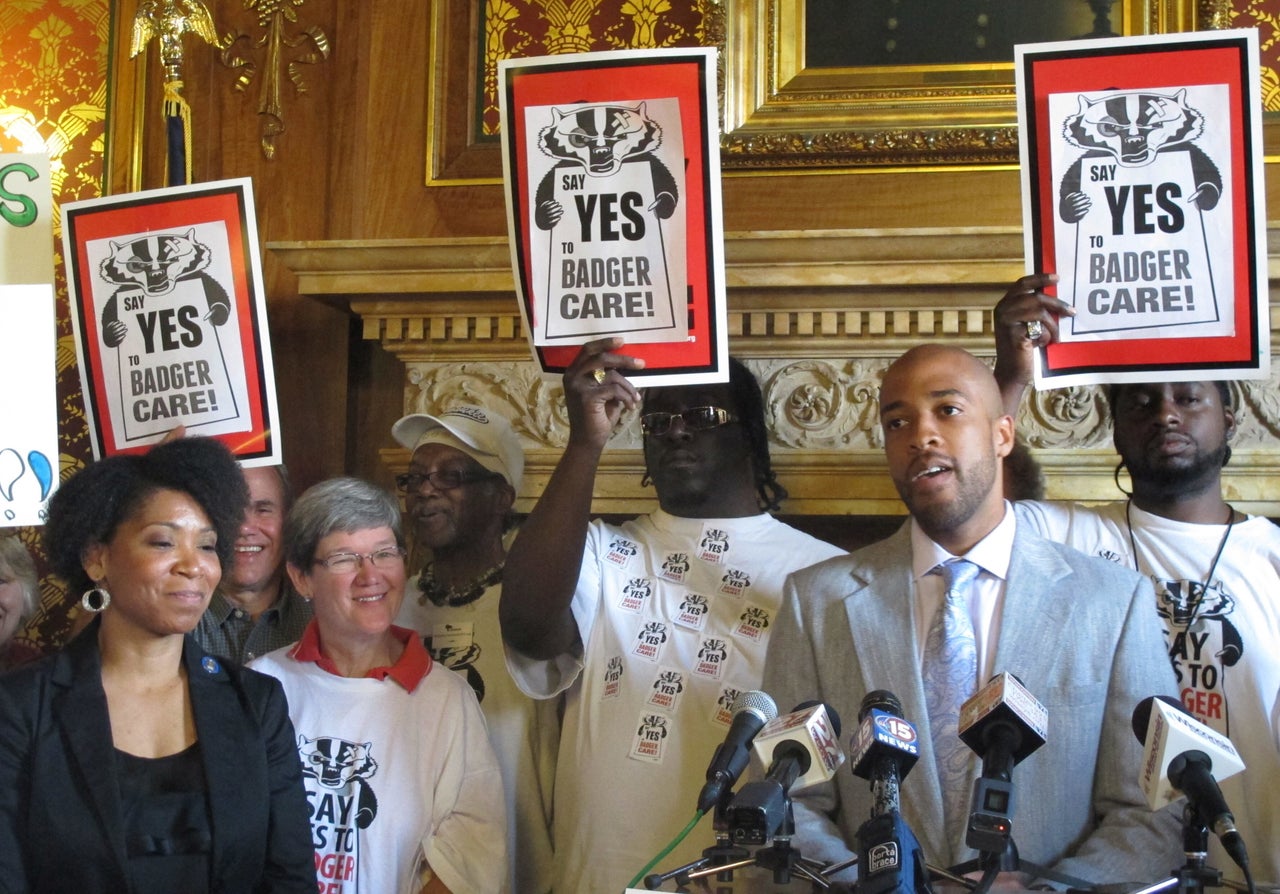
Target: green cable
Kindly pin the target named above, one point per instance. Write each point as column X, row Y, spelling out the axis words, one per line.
column 666, row 850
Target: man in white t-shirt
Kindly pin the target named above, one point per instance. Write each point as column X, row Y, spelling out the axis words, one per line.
column 1216, row 570
column 464, row 472
column 652, row 627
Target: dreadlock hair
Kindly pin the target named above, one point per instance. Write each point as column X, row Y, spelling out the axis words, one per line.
column 749, row 403
column 1224, row 395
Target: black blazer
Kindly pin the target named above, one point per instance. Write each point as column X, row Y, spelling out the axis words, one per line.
column 61, row 821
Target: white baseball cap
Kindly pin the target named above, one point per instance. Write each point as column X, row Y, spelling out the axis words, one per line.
column 481, row 435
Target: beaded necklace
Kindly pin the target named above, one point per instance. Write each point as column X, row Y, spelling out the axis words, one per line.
column 460, row 595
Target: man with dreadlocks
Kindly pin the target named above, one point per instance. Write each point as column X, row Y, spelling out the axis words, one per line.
column 651, row 628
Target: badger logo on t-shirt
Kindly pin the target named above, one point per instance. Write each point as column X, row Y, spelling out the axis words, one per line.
column 649, row 640
column 735, row 582
column 666, row 690
column 1202, row 643
column 620, row 551
column 675, row 566
column 752, row 623
column 634, row 594
column 693, row 611
column 714, row 545
column 613, row 671
column 712, row 656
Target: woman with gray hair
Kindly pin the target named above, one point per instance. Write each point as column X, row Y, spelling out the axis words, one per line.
column 404, row 787
column 18, row 588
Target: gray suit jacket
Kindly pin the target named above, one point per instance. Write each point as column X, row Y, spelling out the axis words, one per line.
column 1083, row 637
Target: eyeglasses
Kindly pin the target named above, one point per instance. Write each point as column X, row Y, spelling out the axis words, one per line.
column 441, row 479
column 695, row 419
column 346, row 563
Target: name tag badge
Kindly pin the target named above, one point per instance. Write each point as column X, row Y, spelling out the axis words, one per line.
column 454, row 637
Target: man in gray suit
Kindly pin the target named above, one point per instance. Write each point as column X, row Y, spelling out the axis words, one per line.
column 1079, row 632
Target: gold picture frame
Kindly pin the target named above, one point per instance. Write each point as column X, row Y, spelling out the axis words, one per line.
column 780, row 113
column 456, row 153
column 777, row 113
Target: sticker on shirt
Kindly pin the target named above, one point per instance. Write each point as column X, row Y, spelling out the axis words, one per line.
column 650, row 640
column 667, row 688
column 674, row 567
column 735, row 582
column 753, row 623
column 613, row 671
column 723, row 713
column 634, row 594
column 454, row 637
column 713, row 545
column 651, row 738
column 693, row 611
column 713, row 655
column 621, row 551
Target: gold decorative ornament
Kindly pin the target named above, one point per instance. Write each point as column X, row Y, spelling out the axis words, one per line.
column 274, row 44
column 169, row 20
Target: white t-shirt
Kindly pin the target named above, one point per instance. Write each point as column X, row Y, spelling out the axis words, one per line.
column 524, row 732
column 395, row 778
column 1227, row 659
column 675, row 616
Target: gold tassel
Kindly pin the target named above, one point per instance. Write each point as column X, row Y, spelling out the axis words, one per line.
column 175, row 104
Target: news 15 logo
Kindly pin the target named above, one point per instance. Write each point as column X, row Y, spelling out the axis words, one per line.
column 895, row 732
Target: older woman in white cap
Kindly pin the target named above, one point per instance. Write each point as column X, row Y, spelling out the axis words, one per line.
column 464, row 473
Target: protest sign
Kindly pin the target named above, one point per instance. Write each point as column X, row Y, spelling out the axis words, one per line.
column 170, row 319
column 26, row 219
column 28, row 402
column 1143, row 192
column 28, row 341
column 612, row 177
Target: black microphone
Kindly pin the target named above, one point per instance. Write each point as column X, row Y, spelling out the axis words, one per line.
column 805, row 751
column 890, row 859
column 751, row 711
column 1184, row 750
column 1003, row 723
column 884, row 749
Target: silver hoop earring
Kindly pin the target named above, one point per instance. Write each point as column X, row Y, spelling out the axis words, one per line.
column 95, row 600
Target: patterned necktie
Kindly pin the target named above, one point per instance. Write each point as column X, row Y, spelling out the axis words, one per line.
column 950, row 674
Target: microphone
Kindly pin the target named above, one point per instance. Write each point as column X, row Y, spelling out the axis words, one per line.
column 1179, row 754
column 751, row 711
column 883, row 751
column 1002, row 723
column 802, row 749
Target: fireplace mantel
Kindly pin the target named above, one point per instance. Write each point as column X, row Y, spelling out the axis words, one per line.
column 817, row 315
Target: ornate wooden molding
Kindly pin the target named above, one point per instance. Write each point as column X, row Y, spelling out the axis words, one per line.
column 817, row 315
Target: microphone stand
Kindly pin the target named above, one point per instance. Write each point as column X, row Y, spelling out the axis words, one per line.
column 1193, row 876
column 722, row 858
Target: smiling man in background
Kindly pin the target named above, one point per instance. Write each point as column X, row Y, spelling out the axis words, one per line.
column 256, row 610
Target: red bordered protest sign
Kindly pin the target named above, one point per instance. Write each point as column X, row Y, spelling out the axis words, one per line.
column 612, row 173
column 170, row 319
column 1143, row 191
